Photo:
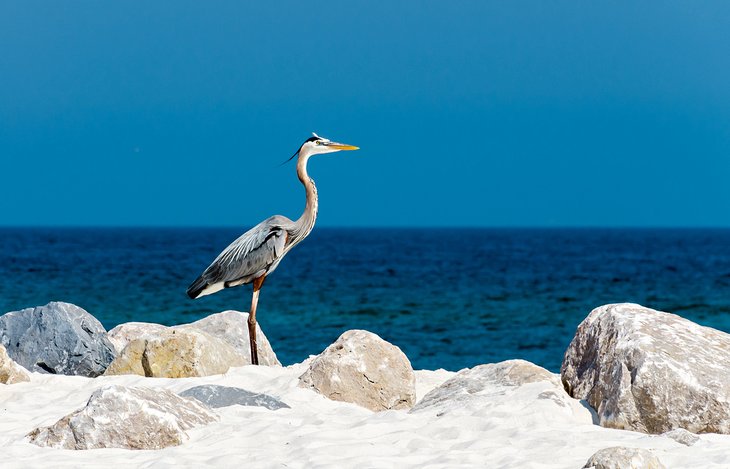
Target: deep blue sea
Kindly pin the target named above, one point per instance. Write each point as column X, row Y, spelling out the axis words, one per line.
column 449, row 298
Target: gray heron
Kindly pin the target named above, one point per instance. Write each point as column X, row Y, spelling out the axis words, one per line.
column 257, row 252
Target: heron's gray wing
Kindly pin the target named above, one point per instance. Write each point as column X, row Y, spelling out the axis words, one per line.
column 253, row 252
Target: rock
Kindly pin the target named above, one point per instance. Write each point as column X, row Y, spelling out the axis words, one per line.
column 362, row 368
column 11, row 372
column 122, row 417
column 619, row 457
column 650, row 371
column 682, row 436
column 176, row 353
column 232, row 327
column 229, row 326
column 58, row 338
column 476, row 385
column 123, row 334
column 223, row 396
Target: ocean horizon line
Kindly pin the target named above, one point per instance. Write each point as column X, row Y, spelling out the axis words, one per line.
column 393, row 227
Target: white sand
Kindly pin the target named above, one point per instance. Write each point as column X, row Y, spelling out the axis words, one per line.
column 509, row 430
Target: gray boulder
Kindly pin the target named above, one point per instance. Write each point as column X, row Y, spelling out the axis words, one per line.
column 130, row 418
column 362, row 368
column 619, row 457
column 650, row 371
column 11, row 372
column 216, row 396
column 58, row 338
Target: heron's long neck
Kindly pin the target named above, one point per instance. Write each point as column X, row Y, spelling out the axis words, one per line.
column 306, row 222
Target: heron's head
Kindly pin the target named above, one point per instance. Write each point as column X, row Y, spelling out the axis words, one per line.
column 315, row 145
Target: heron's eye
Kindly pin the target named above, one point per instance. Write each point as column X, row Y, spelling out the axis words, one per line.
column 319, row 142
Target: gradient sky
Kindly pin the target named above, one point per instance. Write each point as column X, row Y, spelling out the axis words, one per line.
column 469, row 113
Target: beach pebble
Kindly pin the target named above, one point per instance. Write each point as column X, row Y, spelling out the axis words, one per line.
column 11, row 372
column 474, row 385
column 619, row 457
column 216, row 396
column 123, row 417
column 229, row 326
column 682, row 436
column 58, row 338
column 363, row 369
column 175, row 353
column 650, row 371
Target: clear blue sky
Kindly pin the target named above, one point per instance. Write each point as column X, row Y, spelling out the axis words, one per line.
column 480, row 113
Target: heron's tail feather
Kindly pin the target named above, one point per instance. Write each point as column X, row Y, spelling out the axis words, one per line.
column 197, row 287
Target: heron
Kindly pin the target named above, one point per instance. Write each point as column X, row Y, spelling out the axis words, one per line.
column 258, row 252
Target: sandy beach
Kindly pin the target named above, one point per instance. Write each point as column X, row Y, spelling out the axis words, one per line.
column 508, row 428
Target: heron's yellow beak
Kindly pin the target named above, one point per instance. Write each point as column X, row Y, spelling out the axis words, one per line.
column 342, row 146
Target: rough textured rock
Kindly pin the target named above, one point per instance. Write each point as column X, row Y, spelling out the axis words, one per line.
column 619, row 457
column 362, row 368
column 650, row 371
column 482, row 381
column 176, row 353
column 231, row 326
column 58, row 338
column 223, row 396
column 682, row 436
column 121, row 417
column 11, row 372
column 123, row 334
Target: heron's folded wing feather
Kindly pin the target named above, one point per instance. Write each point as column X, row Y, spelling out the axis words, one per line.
column 253, row 251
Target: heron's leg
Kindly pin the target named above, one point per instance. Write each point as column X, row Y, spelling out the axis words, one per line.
column 252, row 320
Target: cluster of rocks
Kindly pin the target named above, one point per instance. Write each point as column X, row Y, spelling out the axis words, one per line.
column 639, row 369
column 143, row 418
column 61, row 338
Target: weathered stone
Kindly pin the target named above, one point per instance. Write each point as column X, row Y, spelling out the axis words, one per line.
column 682, row 436
column 650, row 371
column 483, row 381
column 619, row 457
column 223, row 396
column 229, row 326
column 232, row 327
column 123, row 334
column 176, row 353
column 58, row 338
column 121, row 417
column 11, row 372
column 362, row 368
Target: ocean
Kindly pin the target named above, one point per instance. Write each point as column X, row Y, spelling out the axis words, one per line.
column 449, row 298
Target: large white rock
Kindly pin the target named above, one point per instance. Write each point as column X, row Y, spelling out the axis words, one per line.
column 11, row 372
column 121, row 417
column 529, row 394
column 229, row 326
column 650, row 371
column 176, row 353
column 58, row 338
column 362, row 368
column 232, row 327
column 619, row 457
column 123, row 334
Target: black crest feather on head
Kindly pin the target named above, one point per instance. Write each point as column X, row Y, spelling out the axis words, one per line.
column 310, row 139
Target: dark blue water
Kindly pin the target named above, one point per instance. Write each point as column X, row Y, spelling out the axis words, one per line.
column 450, row 298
